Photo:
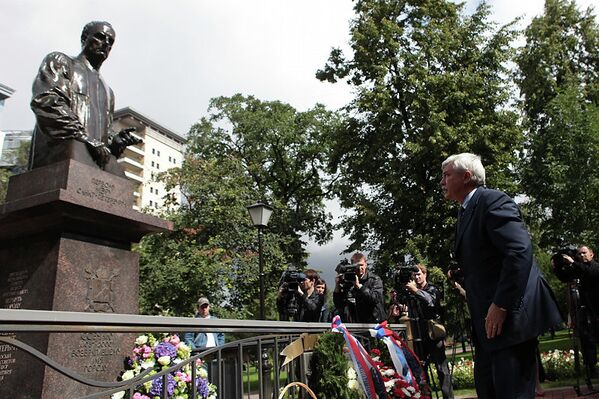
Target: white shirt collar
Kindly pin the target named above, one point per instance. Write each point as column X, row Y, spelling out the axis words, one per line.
column 468, row 197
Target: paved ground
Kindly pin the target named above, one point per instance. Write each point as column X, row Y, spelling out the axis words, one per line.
column 557, row 393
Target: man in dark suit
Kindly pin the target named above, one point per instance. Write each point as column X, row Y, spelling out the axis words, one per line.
column 510, row 302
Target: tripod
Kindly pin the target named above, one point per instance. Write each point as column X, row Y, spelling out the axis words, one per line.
column 415, row 319
column 579, row 314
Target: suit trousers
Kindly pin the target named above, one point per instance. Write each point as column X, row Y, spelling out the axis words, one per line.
column 506, row 373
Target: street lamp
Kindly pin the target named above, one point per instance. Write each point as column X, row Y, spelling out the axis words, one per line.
column 260, row 213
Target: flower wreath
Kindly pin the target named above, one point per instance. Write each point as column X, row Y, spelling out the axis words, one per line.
column 158, row 354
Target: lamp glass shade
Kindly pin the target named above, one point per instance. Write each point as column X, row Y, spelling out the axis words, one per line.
column 260, row 214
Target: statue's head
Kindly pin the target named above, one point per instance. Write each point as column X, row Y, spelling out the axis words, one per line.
column 97, row 39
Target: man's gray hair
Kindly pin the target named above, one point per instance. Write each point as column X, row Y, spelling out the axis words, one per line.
column 466, row 161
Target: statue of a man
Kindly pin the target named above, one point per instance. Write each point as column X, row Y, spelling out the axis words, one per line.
column 74, row 106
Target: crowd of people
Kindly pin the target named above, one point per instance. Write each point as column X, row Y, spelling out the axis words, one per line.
column 509, row 301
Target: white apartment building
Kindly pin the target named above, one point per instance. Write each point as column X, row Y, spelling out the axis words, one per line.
column 161, row 150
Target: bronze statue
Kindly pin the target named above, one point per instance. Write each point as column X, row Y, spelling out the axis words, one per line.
column 74, row 106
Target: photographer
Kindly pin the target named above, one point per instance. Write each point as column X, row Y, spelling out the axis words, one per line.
column 358, row 295
column 578, row 268
column 422, row 302
column 297, row 300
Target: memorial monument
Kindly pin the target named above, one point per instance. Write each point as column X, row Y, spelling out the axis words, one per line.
column 67, row 225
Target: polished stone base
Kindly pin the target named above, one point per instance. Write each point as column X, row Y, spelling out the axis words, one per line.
column 65, row 237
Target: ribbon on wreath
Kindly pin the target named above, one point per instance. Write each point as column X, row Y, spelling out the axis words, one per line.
column 404, row 360
column 370, row 377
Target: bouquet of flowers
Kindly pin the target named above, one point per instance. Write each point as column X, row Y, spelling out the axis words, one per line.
column 161, row 353
column 395, row 385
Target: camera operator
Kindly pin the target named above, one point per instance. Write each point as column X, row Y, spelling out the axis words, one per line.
column 422, row 302
column 580, row 268
column 358, row 294
column 297, row 300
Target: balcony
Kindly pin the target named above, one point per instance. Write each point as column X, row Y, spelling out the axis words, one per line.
column 130, row 163
column 133, row 177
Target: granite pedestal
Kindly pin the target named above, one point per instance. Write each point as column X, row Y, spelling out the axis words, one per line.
column 66, row 231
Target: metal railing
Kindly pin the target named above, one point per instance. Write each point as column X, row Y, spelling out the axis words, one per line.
column 229, row 365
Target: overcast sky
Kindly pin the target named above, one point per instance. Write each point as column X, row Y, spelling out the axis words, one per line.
column 171, row 57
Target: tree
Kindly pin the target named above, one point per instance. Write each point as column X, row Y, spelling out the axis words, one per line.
column 4, row 176
column 245, row 150
column 284, row 152
column 429, row 82
column 559, row 81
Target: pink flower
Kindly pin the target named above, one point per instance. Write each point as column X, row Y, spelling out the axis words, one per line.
column 147, row 349
column 138, row 395
column 175, row 340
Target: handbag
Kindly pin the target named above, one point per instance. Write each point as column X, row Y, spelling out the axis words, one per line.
column 436, row 330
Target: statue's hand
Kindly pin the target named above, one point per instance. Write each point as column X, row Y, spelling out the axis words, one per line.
column 121, row 140
column 99, row 152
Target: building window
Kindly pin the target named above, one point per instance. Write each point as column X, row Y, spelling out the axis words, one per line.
column 151, row 202
column 152, row 163
column 151, row 189
column 158, row 153
column 157, row 165
column 153, row 151
column 156, row 192
column 170, row 159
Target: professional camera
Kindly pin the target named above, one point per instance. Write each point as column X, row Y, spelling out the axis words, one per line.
column 456, row 273
column 287, row 304
column 403, row 275
column 291, row 279
column 349, row 272
column 558, row 255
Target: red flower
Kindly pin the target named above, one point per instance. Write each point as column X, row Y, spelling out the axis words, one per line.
column 375, row 352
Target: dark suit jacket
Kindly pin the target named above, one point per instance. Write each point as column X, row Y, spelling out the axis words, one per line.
column 494, row 250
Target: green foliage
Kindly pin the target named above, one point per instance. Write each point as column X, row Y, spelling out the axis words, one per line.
column 429, row 83
column 559, row 80
column 245, row 150
column 329, row 368
column 4, row 176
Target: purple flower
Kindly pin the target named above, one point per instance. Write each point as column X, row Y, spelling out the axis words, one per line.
column 202, row 387
column 165, row 349
column 156, row 389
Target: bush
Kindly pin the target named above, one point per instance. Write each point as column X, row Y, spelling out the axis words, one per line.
column 463, row 374
column 558, row 364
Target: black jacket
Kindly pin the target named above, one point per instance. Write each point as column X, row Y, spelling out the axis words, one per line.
column 364, row 305
column 588, row 274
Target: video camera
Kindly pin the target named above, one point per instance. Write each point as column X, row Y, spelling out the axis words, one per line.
column 349, row 272
column 289, row 283
column 403, row 275
column 291, row 279
column 558, row 255
column 457, row 275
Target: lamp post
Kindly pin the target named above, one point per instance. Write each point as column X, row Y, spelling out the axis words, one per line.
column 260, row 213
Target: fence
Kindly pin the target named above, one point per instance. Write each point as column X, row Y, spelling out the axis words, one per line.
column 231, row 367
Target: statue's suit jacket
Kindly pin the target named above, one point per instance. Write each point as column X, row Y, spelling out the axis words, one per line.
column 494, row 251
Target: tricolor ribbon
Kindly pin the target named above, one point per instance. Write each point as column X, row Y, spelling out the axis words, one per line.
column 370, row 377
column 395, row 345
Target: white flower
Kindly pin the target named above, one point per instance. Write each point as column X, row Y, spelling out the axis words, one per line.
column 389, row 384
column 203, row 373
column 127, row 375
column 141, row 340
column 351, row 373
column 147, row 364
column 164, row 360
column 118, row 395
column 388, row 373
column 353, row 384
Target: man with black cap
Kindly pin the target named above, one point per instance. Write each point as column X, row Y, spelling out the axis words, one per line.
column 204, row 340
